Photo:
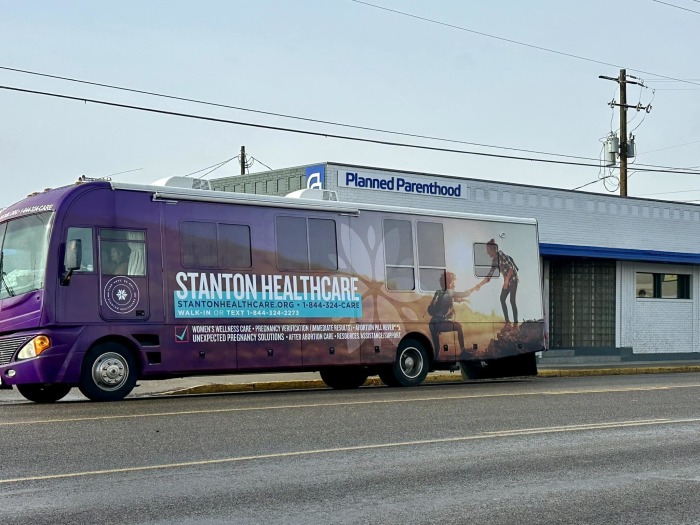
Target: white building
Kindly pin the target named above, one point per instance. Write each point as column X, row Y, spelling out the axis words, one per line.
column 621, row 275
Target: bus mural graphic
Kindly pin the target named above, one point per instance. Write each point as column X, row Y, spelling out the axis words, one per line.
column 219, row 282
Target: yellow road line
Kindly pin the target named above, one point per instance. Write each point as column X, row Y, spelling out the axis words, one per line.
column 301, row 453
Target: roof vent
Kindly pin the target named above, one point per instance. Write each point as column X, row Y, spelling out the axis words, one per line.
column 184, row 182
column 314, row 194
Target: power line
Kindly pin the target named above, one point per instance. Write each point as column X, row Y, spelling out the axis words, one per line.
column 212, row 166
column 670, row 147
column 480, row 33
column 666, row 192
column 261, row 162
column 677, row 7
column 524, row 44
column 282, row 115
column 217, row 167
column 363, row 128
column 601, row 179
column 123, row 172
column 320, row 134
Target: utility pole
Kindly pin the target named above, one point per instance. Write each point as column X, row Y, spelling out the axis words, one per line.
column 622, row 80
column 243, row 160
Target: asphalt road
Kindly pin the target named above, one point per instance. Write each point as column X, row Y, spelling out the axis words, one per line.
column 595, row 450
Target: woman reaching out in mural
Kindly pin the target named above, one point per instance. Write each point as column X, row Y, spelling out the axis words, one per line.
column 509, row 270
column 441, row 310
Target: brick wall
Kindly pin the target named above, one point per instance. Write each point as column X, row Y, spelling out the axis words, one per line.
column 274, row 182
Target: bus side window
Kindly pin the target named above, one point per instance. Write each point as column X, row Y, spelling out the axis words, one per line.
column 123, row 252
column 431, row 255
column 398, row 252
column 306, row 244
column 484, row 264
column 85, row 236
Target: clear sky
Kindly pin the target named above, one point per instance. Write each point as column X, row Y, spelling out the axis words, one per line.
column 342, row 61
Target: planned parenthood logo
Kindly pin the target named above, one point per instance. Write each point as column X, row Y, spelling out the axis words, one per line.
column 415, row 185
column 316, row 177
column 121, row 295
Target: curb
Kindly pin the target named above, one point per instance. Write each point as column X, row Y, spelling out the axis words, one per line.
column 267, row 386
column 619, row 371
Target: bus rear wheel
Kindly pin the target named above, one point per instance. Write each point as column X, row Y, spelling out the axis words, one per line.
column 344, row 378
column 410, row 366
column 108, row 373
column 44, row 393
column 387, row 376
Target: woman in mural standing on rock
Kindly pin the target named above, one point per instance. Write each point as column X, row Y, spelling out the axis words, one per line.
column 509, row 270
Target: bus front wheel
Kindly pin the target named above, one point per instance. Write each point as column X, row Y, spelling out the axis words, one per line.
column 44, row 393
column 108, row 373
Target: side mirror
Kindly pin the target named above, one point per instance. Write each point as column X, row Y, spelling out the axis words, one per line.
column 72, row 260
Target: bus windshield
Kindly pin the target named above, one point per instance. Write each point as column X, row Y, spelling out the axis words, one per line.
column 23, row 251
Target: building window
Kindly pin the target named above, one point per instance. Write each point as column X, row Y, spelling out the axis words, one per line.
column 398, row 251
column 582, row 303
column 663, row 286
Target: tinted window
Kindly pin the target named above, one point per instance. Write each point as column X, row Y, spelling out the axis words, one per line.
column 398, row 242
column 125, row 255
column 306, row 244
column 431, row 255
column 292, row 243
column 400, row 278
column 484, row 264
column 198, row 244
column 431, row 244
column 234, row 246
column 323, row 249
column 398, row 250
column 663, row 286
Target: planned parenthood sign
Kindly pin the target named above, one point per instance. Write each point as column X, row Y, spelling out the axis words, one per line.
column 401, row 184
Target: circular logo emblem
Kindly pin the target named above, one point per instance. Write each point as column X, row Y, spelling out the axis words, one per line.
column 121, row 295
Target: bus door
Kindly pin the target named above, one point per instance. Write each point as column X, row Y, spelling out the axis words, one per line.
column 76, row 301
column 207, row 252
column 123, row 279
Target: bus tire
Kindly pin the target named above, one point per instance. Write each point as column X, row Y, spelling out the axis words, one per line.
column 344, row 378
column 387, row 377
column 411, row 364
column 44, row 393
column 108, row 373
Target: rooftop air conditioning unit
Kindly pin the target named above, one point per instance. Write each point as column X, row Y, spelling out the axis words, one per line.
column 315, row 194
column 184, row 182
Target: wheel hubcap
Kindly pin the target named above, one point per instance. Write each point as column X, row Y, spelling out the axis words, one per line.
column 411, row 362
column 110, row 371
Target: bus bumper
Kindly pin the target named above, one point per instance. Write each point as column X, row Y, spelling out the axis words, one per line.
column 57, row 364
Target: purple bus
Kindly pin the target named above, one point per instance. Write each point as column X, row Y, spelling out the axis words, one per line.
column 103, row 284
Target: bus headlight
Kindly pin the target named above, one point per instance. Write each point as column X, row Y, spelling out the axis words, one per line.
column 34, row 347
